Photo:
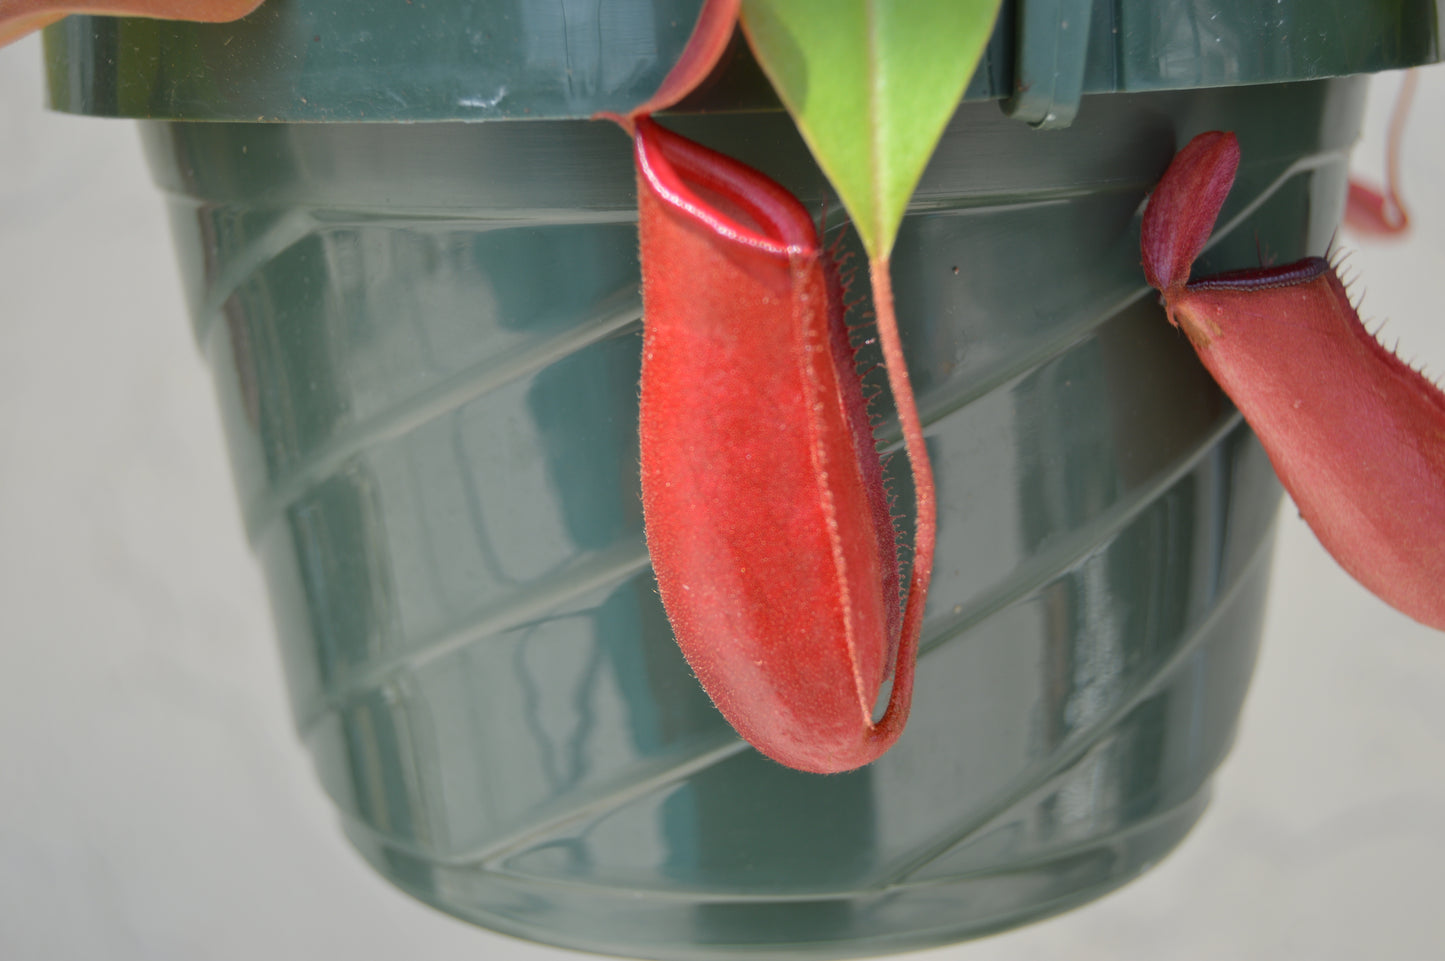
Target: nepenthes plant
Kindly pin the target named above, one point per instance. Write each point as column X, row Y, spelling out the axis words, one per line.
column 767, row 522
column 768, row 525
column 19, row 17
column 766, row 516
column 1356, row 435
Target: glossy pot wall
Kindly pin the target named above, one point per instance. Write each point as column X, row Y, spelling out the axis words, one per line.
column 425, row 340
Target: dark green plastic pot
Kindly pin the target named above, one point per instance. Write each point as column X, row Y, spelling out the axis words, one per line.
column 425, row 340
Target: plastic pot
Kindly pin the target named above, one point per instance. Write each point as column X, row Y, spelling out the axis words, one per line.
column 425, row 341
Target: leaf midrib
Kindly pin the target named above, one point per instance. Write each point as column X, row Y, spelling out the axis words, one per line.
column 875, row 156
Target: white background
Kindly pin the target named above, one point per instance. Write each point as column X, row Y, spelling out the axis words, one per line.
column 154, row 803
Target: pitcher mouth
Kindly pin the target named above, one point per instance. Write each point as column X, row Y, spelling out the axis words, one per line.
column 679, row 170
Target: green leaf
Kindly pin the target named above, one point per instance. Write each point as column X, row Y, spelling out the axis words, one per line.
column 871, row 84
